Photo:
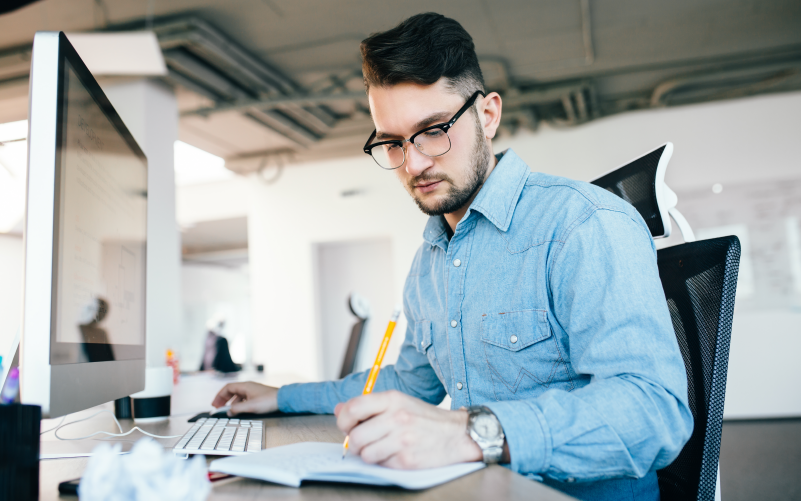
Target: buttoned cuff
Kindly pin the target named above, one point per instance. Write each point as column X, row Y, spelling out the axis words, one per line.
column 527, row 435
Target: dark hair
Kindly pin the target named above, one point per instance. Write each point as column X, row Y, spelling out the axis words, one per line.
column 422, row 49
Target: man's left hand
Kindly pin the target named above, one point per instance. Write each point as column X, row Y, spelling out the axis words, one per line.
column 398, row 431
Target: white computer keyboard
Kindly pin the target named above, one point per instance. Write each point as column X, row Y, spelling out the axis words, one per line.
column 221, row 437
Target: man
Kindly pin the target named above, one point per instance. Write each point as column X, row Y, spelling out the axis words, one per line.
column 534, row 301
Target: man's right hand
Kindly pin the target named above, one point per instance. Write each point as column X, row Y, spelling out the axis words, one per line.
column 247, row 397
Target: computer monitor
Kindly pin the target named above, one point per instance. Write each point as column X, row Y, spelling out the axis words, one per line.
column 83, row 326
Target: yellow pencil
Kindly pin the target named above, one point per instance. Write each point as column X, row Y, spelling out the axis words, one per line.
column 368, row 386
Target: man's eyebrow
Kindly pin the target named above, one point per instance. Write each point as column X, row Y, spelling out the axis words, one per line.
column 381, row 136
column 429, row 120
column 432, row 119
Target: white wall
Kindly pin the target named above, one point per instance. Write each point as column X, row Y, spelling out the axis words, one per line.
column 209, row 291
column 12, row 255
column 728, row 142
column 212, row 201
column 734, row 141
column 287, row 219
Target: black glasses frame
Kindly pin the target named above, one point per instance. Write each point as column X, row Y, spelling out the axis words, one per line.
column 368, row 148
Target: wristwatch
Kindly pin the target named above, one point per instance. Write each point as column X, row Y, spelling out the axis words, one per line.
column 485, row 429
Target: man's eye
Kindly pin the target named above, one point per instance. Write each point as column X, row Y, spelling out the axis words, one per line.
column 433, row 133
column 391, row 147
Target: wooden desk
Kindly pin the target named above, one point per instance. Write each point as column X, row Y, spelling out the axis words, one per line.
column 193, row 394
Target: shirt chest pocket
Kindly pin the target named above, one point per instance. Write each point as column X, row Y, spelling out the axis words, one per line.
column 521, row 351
column 423, row 341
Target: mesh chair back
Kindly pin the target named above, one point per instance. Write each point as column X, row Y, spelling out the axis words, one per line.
column 700, row 279
column 635, row 183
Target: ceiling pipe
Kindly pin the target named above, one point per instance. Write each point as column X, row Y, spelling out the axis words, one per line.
column 264, row 104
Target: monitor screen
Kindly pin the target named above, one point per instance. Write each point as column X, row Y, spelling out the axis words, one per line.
column 83, row 329
column 98, row 304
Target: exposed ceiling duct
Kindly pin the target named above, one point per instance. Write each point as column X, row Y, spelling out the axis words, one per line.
column 204, row 60
column 293, row 92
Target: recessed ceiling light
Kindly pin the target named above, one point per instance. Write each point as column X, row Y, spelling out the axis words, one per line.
column 717, row 188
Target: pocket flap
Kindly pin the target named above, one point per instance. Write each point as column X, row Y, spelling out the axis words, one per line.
column 422, row 335
column 515, row 330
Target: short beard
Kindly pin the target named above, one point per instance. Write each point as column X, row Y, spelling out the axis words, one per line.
column 458, row 196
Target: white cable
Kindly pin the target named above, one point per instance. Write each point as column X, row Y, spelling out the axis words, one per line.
column 56, row 426
column 120, row 434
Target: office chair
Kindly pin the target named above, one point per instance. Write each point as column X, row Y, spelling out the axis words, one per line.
column 361, row 309
column 641, row 182
column 699, row 280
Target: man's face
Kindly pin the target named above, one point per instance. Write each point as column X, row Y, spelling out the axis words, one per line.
column 439, row 185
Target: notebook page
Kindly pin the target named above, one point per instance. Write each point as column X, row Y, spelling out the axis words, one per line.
column 290, row 464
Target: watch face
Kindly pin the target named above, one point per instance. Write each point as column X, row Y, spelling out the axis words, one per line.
column 486, row 427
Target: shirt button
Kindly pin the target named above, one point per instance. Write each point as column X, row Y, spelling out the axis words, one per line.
column 422, row 343
column 458, row 386
column 513, row 339
column 570, row 480
column 457, row 262
column 454, row 323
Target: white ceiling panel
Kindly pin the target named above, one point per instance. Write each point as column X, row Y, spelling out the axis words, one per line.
column 235, row 131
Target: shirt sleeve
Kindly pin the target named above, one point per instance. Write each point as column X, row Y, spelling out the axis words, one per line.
column 411, row 374
column 633, row 416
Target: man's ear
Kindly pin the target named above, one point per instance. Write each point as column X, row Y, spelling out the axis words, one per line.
column 490, row 112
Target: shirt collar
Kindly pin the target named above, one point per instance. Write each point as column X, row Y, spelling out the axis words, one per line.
column 435, row 233
column 498, row 197
column 496, row 200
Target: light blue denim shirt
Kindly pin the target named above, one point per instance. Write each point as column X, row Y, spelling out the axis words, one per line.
column 545, row 306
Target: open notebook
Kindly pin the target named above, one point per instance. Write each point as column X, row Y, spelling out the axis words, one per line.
column 291, row 464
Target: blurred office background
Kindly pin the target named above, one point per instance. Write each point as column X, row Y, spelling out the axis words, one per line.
column 266, row 213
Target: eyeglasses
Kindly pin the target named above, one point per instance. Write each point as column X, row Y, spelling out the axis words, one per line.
column 433, row 141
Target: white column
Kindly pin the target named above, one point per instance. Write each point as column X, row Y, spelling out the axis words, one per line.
column 150, row 112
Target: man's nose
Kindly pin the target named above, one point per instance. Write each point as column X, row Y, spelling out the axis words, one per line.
column 416, row 162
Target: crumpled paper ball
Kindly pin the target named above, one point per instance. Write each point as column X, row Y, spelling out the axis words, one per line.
column 148, row 473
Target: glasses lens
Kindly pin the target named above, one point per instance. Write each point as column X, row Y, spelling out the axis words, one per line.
column 433, row 143
column 388, row 156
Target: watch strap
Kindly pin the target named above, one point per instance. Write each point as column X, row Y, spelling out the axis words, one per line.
column 492, row 455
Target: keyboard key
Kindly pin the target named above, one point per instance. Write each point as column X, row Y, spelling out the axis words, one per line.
column 225, row 442
column 200, row 435
column 254, row 440
column 211, row 440
column 221, row 436
column 240, row 440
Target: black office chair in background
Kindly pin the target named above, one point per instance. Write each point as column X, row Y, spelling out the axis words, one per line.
column 359, row 306
column 699, row 280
